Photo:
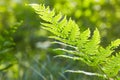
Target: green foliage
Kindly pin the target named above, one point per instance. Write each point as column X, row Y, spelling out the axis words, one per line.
column 24, row 52
column 58, row 24
column 92, row 14
column 8, row 26
column 86, row 44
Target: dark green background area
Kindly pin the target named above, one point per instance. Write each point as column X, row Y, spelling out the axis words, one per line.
column 25, row 49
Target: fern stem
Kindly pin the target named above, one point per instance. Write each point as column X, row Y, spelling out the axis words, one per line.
column 86, row 73
column 56, row 42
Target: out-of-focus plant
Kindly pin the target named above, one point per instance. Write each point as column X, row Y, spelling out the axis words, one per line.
column 8, row 26
column 19, row 47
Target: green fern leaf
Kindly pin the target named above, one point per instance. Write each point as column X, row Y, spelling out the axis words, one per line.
column 93, row 44
column 87, row 46
column 83, row 39
column 65, row 29
column 112, row 66
column 114, row 44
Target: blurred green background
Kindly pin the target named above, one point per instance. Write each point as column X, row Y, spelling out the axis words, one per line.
column 25, row 49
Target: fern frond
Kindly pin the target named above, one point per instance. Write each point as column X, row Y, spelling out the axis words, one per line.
column 41, row 10
column 87, row 47
column 91, row 47
column 112, row 66
column 106, row 52
column 83, row 39
column 58, row 25
column 113, row 45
